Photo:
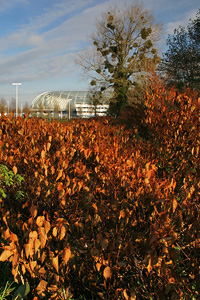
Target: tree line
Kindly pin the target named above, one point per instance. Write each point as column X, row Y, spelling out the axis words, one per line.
column 7, row 107
column 124, row 51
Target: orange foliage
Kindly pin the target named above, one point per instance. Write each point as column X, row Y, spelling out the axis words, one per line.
column 106, row 213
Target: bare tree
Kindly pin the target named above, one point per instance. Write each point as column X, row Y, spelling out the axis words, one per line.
column 96, row 98
column 123, row 45
column 3, row 105
column 13, row 105
column 26, row 108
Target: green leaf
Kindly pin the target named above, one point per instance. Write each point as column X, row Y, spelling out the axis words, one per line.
column 21, row 292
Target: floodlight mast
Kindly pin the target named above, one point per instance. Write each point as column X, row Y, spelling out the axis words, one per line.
column 16, row 84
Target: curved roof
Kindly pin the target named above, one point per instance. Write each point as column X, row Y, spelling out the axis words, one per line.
column 60, row 99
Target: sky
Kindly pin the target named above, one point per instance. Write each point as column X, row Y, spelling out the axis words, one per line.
column 40, row 40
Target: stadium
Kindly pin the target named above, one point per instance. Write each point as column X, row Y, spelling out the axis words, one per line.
column 69, row 104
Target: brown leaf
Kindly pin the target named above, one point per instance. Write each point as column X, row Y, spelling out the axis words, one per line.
column 98, row 266
column 33, row 211
column 40, row 221
column 174, row 205
column 107, row 273
column 63, row 202
column 33, row 264
column 59, row 174
column 122, row 214
column 153, row 238
column 62, row 232
column 43, row 236
column 99, row 237
column 48, row 146
column 95, row 207
column 29, row 248
column 104, row 244
column 41, row 286
column 43, row 256
column 4, row 219
column 126, row 295
column 55, row 231
column 133, row 295
column 94, row 252
column 42, row 271
column 15, row 272
column 5, row 255
column 47, row 226
column 15, row 170
column 7, row 233
column 139, row 174
column 149, row 267
column 66, row 254
column 43, row 154
column 55, row 263
column 13, row 237
column 150, row 174
column 52, row 170
column 37, row 245
column 33, row 235
column 59, row 186
column 23, row 268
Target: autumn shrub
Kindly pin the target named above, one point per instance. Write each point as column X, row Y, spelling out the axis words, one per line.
column 174, row 122
column 106, row 215
column 133, row 117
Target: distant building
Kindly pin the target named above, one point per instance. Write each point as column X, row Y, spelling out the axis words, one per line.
column 68, row 104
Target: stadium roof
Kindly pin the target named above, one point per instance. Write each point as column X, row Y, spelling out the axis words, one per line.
column 60, row 99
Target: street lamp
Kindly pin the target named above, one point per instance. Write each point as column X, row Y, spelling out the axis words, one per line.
column 17, row 84
column 69, row 107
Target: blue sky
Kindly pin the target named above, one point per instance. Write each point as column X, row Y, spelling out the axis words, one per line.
column 39, row 39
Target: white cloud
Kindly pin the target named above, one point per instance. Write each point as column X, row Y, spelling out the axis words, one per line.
column 40, row 24
column 181, row 22
column 43, row 49
column 34, row 40
column 49, row 53
column 56, row 12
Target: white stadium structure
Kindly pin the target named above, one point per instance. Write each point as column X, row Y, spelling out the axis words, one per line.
column 68, row 104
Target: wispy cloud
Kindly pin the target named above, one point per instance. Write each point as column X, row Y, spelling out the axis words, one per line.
column 42, row 52
column 6, row 5
column 32, row 33
column 43, row 46
column 56, row 13
column 181, row 22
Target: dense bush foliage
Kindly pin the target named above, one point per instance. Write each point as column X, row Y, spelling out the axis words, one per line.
column 106, row 214
column 180, row 63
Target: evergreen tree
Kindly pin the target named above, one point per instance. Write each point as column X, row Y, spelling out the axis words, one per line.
column 181, row 62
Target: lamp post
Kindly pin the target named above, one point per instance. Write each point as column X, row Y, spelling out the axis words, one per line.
column 16, row 84
column 69, row 107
